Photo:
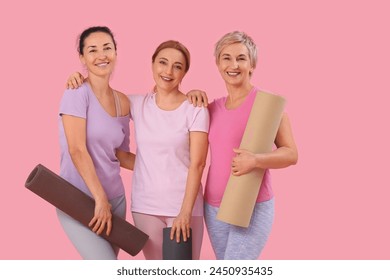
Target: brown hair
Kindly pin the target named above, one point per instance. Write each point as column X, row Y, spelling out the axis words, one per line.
column 171, row 44
column 89, row 31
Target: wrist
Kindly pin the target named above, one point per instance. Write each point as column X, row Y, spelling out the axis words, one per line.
column 259, row 161
column 185, row 212
column 100, row 198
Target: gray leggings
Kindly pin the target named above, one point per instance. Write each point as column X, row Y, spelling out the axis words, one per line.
column 238, row 243
column 90, row 245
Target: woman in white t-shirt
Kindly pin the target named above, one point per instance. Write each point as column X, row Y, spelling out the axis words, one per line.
column 171, row 136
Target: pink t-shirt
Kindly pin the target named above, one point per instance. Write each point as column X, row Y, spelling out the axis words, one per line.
column 226, row 130
column 163, row 155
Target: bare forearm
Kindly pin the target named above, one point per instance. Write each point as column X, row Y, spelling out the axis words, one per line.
column 198, row 155
column 84, row 165
column 129, row 163
column 192, row 188
column 279, row 158
column 126, row 159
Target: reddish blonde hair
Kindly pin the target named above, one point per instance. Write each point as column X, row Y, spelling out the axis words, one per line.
column 172, row 44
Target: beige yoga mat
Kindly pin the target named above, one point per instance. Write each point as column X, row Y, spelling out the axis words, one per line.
column 241, row 191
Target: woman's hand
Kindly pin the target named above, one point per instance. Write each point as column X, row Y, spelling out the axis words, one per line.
column 74, row 81
column 244, row 162
column 181, row 226
column 197, row 98
column 284, row 155
column 102, row 217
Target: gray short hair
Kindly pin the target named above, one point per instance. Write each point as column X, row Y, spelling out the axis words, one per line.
column 237, row 37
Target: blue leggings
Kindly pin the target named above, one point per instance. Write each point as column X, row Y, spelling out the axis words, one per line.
column 239, row 243
column 90, row 245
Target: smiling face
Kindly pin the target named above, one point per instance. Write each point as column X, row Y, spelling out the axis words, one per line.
column 99, row 54
column 234, row 64
column 168, row 69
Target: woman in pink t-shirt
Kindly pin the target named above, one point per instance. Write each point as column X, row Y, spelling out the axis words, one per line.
column 171, row 136
column 236, row 58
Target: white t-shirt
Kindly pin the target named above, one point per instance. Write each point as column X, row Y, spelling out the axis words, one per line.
column 163, row 155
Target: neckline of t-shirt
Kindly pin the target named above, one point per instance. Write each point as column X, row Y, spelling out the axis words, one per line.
column 100, row 105
column 153, row 98
column 251, row 92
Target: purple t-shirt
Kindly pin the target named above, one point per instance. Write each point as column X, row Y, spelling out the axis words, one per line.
column 163, row 155
column 226, row 130
column 105, row 134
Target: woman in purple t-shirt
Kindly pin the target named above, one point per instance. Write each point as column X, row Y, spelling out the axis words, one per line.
column 94, row 127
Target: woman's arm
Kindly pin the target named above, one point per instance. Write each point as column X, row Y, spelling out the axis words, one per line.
column 197, row 98
column 75, row 81
column 126, row 159
column 285, row 155
column 75, row 131
column 198, row 155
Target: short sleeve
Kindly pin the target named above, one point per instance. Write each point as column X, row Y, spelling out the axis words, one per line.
column 74, row 102
column 125, row 146
column 135, row 102
column 201, row 120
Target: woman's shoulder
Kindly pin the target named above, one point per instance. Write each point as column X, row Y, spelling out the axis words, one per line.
column 120, row 94
column 124, row 101
column 137, row 97
column 123, row 97
column 195, row 113
column 83, row 89
column 75, row 101
column 79, row 94
column 190, row 107
column 217, row 103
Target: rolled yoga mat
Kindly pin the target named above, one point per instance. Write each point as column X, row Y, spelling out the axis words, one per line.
column 80, row 206
column 176, row 251
column 241, row 192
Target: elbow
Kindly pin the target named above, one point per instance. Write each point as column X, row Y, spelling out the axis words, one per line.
column 198, row 166
column 76, row 152
column 294, row 157
column 290, row 157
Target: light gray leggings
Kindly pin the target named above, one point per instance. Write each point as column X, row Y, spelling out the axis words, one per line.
column 90, row 245
column 238, row 243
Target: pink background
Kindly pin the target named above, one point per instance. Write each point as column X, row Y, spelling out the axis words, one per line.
column 330, row 60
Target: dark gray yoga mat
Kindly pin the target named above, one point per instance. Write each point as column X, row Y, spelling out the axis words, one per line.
column 176, row 251
column 80, row 207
